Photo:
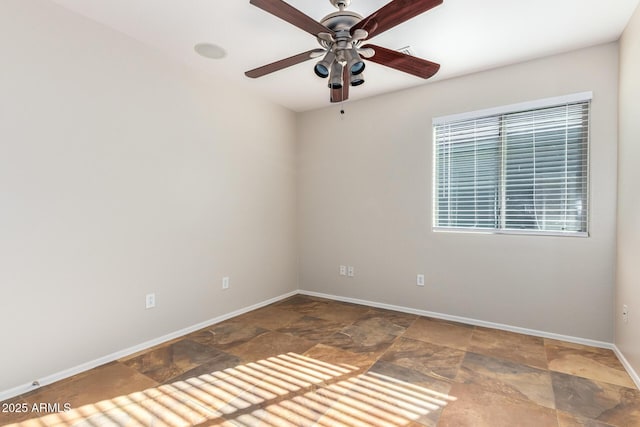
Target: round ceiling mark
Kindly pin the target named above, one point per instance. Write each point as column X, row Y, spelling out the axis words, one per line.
column 209, row 50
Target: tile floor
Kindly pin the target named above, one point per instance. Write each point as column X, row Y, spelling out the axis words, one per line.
column 308, row 361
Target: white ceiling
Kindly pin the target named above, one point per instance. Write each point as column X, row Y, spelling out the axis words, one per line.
column 464, row 36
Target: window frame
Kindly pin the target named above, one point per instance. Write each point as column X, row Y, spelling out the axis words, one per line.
column 502, row 110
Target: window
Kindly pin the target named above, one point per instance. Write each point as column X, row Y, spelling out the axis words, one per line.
column 521, row 168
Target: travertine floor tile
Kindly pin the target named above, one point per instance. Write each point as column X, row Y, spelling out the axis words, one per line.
column 219, row 362
column 343, row 312
column 226, row 334
column 312, row 328
column 337, row 356
column 524, row 349
column 566, row 420
column 105, row 382
column 304, row 304
column 270, row 344
column 308, row 361
column 432, row 393
column 111, row 382
column 396, row 318
column 475, row 407
column 271, row 317
column 590, row 399
column 509, row 378
column 366, row 400
column 429, row 359
column 169, row 361
column 389, row 371
column 441, row 332
column 587, row 362
column 363, row 339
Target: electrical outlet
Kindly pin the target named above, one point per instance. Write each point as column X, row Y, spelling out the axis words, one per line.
column 351, row 271
column 625, row 313
column 225, row 282
column 343, row 270
column 420, row 280
column 150, row 300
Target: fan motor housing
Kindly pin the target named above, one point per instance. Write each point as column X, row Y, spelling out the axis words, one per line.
column 341, row 20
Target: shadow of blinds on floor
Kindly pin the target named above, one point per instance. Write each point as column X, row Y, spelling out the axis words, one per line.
column 284, row 390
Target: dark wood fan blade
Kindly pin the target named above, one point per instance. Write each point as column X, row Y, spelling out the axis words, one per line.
column 283, row 63
column 292, row 15
column 342, row 94
column 392, row 14
column 403, row 62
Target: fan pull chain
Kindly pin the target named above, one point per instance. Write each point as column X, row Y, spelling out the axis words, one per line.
column 342, row 101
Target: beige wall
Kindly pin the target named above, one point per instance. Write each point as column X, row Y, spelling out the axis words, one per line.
column 628, row 273
column 365, row 188
column 122, row 173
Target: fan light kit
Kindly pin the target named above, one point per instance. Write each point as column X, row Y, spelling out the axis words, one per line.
column 341, row 35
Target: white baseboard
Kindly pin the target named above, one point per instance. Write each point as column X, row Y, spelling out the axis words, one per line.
column 632, row 372
column 466, row 320
column 25, row 388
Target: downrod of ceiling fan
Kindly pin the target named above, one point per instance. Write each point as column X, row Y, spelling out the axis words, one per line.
column 340, row 4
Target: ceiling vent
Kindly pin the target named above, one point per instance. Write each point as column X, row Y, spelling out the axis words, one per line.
column 407, row 50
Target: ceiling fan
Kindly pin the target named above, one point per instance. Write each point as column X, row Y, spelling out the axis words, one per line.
column 341, row 35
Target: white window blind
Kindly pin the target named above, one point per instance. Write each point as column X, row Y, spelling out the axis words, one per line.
column 522, row 171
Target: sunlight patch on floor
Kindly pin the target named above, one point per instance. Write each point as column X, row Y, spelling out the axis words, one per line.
column 288, row 390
